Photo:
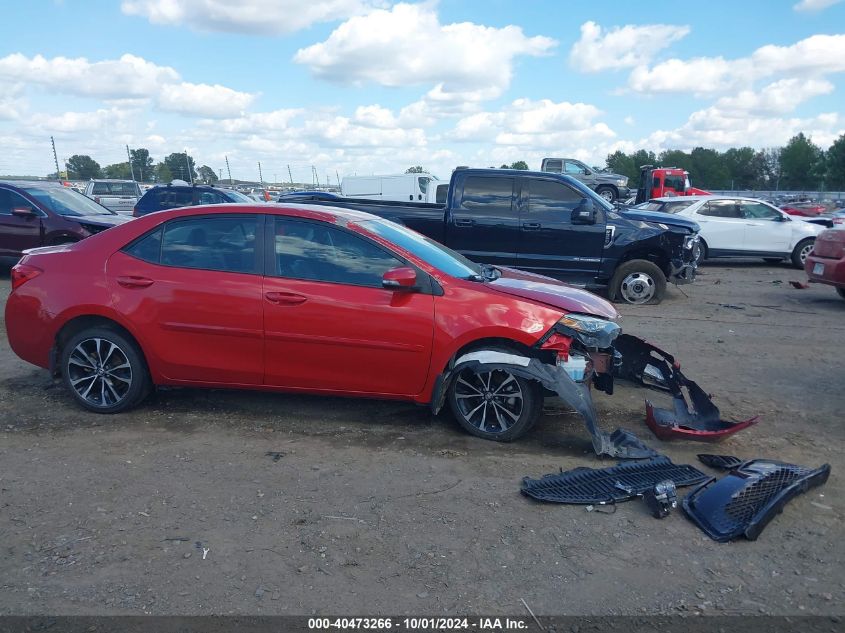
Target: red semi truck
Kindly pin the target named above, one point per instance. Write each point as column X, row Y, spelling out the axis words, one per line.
column 657, row 182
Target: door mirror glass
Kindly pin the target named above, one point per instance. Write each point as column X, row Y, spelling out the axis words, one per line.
column 584, row 213
column 402, row 278
column 23, row 212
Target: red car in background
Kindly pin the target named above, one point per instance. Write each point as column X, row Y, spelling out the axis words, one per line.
column 315, row 300
column 806, row 209
column 826, row 262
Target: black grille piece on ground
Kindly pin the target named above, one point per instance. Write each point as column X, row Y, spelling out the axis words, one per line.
column 720, row 462
column 610, row 485
column 747, row 498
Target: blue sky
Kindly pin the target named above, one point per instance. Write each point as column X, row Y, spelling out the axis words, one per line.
column 373, row 86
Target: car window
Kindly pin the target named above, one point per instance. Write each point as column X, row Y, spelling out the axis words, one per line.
column 318, row 252
column 211, row 243
column 674, row 182
column 758, row 211
column 209, row 197
column 65, row 201
column 442, row 194
column 9, row 200
column 721, row 209
column 175, row 198
column 546, row 195
column 123, row 188
column 148, row 248
column 488, row 196
column 676, row 207
column 100, row 188
column 574, row 168
column 555, row 165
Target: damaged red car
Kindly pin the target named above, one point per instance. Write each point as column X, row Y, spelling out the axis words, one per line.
column 315, row 300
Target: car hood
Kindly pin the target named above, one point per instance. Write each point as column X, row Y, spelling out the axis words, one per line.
column 606, row 177
column 660, row 217
column 101, row 220
column 552, row 292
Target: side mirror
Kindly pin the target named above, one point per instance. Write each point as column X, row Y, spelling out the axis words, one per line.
column 584, row 213
column 587, row 172
column 23, row 212
column 402, row 278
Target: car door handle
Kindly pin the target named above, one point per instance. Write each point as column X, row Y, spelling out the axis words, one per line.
column 464, row 222
column 285, row 298
column 134, row 282
column 531, row 226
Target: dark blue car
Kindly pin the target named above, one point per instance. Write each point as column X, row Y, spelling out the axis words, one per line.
column 176, row 196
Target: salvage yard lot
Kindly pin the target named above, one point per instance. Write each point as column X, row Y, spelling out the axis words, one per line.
column 376, row 507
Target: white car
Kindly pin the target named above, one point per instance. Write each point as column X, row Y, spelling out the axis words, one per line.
column 732, row 226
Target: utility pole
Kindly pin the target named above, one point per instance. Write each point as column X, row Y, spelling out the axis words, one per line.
column 260, row 176
column 56, row 159
column 220, row 171
column 337, row 175
column 129, row 158
column 228, row 169
column 188, row 166
column 290, row 175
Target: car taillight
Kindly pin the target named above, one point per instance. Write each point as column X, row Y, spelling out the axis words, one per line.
column 21, row 273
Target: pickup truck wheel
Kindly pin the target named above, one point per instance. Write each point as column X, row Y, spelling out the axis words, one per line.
column 608, row 193
column 495, row 405
column 801, row 251
column 638, row 282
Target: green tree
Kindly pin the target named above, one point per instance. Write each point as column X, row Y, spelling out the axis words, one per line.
column 416, row 169
column 801, row 163
column 142, row 164
column 178, row 163
column 207, row 175
column 742, row 167
column 835, row 178
column 642, row 157
column 82, row 167
column 771, row 158
column 620, row 163
column 675, row 158
column 162, row 173
column 707, row 169
column 520, row 164
column 117, row 170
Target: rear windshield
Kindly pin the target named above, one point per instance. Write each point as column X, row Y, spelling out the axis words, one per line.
column 115, row 188
column 66, row 201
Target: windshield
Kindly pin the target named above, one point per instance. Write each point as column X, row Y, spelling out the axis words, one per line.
column 237, row 196
column 65, row 201
column 437, row 255
column 589, row 193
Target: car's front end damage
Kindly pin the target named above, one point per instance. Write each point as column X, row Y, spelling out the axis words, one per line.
column 583, row 351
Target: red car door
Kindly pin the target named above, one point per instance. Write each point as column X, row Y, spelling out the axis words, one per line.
column 328, row 322
column 193, row 292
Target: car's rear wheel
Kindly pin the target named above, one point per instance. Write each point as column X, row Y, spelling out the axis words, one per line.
column 841, row 292
column 495, row 405
column 104, row 370
column 637, row 282
column 801, row 251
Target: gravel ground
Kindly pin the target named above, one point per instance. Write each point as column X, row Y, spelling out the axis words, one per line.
column 376, row 507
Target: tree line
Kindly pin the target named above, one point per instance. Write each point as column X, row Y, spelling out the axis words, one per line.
column 800, row 165
column 141, row 166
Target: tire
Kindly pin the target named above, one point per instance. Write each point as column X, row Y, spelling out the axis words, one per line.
column 608, row 193
column 638, row 282
column 800, row 252
column 841, row 292
column 773, row 260
column 702, row 252
column 512, row 415
column 101, row 378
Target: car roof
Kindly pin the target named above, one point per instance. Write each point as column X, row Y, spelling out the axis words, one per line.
column 32, row 183
column 333, row 215
column 112, row 180
column 697, row 198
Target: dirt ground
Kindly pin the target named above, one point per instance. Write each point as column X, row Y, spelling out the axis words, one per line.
column 378, row 508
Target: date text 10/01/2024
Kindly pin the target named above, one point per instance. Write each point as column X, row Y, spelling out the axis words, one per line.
column 418, row 624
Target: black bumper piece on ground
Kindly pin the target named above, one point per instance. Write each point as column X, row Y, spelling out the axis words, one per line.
column 719, row 462
column 744, row 501
column 625, row 481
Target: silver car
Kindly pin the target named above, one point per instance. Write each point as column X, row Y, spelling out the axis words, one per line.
column 119, row 196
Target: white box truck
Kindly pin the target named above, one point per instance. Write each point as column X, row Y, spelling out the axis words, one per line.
column 401, row 188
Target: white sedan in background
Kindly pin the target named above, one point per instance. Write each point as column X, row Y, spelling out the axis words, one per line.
column 742, row 227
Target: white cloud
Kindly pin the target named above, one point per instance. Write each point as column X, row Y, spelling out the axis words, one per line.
column 811, row 6
column 779, row 97
column 812, row 57
column 407, row 45
column 621, row 47
column 266, row 17
column 128, row 81
column 203, row 100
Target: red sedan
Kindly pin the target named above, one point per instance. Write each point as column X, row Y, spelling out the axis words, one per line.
column 312, row 300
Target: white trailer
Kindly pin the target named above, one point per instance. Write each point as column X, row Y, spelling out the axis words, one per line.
column 401, row 188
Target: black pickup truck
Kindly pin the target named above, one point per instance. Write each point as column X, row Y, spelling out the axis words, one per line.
column 548, row 224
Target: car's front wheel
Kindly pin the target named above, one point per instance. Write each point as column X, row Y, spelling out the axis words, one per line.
column 638, row 281
column 104, row 370
column 801, row 251
column 495, row 405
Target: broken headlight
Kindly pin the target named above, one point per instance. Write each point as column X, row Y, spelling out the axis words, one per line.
column 590, row 331
column 690, row 241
